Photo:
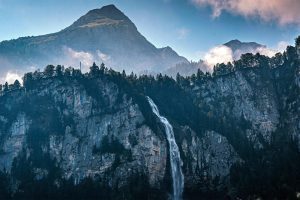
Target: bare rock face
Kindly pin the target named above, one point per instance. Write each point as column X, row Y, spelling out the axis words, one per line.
column 211, row 156
column 99, row 134
column 14, row 142
column 97, row 142
column 243, row 95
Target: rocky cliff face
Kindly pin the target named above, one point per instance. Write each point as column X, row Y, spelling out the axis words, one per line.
column 247, row 94
column 84, row 127
column 233, row 130
column 103, row 135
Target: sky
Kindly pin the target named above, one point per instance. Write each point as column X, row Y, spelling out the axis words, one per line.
column 190, row 27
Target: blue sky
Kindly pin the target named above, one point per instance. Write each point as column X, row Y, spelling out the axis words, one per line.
column 188, row 26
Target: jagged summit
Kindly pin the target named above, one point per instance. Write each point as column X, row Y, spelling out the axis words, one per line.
column 101, row 35
column 109, row 11
column 107, row 15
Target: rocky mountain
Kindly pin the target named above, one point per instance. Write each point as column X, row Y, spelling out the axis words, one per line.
column 68, row 135
column 102, row 35
column 238, row 48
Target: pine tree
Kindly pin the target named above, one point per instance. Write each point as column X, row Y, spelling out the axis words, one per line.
column 94, row 70
column 5, row 88
column 49, row 71
column 16, row 85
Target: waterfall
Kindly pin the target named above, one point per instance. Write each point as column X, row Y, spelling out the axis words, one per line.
column 175, row 160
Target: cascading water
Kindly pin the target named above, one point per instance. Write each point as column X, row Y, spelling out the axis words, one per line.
column 175, row 160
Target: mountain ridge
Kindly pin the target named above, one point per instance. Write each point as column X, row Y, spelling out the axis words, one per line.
column 101, row 35
column 106, row 12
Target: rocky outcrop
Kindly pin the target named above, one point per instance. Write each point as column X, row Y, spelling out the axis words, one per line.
column 246, row 95
column 78, row 150
column 98, row 134
column 14, row 142
column 207, row 157
column 235, row 132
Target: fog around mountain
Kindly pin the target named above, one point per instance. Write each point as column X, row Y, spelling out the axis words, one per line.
column 102, row 35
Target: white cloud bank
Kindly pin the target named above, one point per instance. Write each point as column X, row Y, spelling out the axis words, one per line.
column 282, row 11
column 218, row 54
column 11, row 77
column 73, row 58
column 223, row 54
column 79, row 56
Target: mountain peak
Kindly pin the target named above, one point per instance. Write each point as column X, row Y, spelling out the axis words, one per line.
column 233, row 42
column 107, row 15
column 246, row 46
column 109, row 11
column 110, row 7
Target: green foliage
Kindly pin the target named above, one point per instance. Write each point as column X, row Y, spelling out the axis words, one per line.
column 49, row 71
column 249, row 60
column 291, row 54
column 94, row 70
column 28, row 80
column 276, row 61
column 221, row 69
column 59, row 70
column 68, row 71
column 297, row 42
column 5, row 87
column 16, row 85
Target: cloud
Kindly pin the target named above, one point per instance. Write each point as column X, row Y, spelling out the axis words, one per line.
column 282, row 11
column 223, row 54
column 218, row 54
column 11, row 77
column 266, row 51
column 182, row 33
column 282, row 45
column 102, row 56
column 270, row 52
column 73, row 58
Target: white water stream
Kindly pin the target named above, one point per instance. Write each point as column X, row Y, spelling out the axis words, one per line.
column 175, row 160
